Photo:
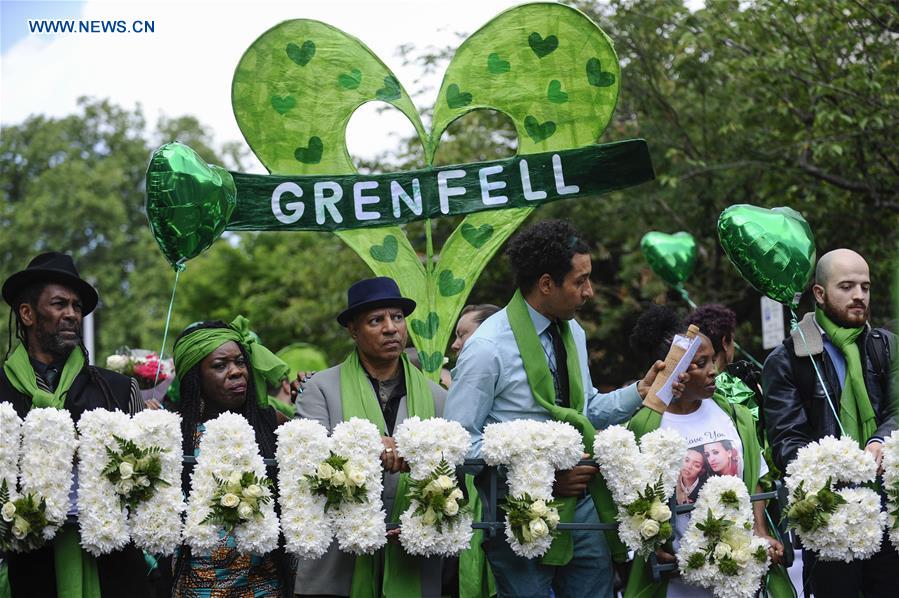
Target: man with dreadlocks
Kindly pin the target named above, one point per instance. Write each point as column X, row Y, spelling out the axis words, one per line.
column 48, row 367
column 222, row 367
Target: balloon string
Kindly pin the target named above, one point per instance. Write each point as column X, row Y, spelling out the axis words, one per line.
column 168, row 321
column 683, row 293
column 794, row 324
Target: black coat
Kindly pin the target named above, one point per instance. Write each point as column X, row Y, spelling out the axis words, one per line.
column 795, row 407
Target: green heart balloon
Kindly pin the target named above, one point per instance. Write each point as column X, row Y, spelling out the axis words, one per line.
column 671, row 257
column 774, row 250
column 189, row 202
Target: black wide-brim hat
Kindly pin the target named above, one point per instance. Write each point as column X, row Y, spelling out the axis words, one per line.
column 371, row 293
column 51, row 267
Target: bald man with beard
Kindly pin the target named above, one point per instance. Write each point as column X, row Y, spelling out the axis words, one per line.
column 856, row 364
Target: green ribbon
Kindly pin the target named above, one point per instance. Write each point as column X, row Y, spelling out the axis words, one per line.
column 265, row 366
column 646, row 420
column 540, row 381
column 21, row 375
column 856, row 413
column 357, row 398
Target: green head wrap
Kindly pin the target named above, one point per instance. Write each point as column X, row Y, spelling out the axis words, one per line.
column 265, row 367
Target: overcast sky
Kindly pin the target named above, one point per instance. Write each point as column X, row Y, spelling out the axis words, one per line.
column 185, row 66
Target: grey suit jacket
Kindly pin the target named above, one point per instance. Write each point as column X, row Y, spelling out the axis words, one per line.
column 332, row 573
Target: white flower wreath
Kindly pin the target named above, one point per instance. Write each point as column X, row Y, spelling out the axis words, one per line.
column 303, row 449
column 891, row 484
column 433, row 448
column 641, row 481
column 840, row 525
column 532, row 451
column 228, row 446
column 718, row 550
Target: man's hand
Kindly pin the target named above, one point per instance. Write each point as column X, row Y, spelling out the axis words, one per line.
column 677, row 388
column 574, row 481
column 392, row 462
column 876, row 450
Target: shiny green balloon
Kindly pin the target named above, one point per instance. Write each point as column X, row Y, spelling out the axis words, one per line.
column 189, row 202
column 774, row 250
column 671, row 257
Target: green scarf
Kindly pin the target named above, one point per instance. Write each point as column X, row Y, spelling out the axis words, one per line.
column 265, row 366
column 76, row 571
column 357, row 398
column 540, row 381
column 856, row 413
column 639, row 583
column 22, row 377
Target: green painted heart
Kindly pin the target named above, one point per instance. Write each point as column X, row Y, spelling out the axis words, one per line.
column 456, row 98
column 312, row 153
column 538, row 131
column 542, row 46
column 598, row 77
column 555, row 93
column 283, row 105
column 431, row 362
column 448, row 285
column 497, row 65
column 476, row 236
column 390, row 91
column 189, row 202
column 386, row 251
column 301, row 54
column 350, row 80
column 774, row 250
column 671, row 257
column 426, row 328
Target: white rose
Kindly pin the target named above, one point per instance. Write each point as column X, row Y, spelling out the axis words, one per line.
column 742, row 556
column 538, row 528
column 552, row 518
column 722, row 550
column 20, row 528
column 451, row 507
column 116, row 363
column 456, row 494
column 8, row 511
column 539, row 509
column 124, row 487
column 229, row 500
column 143, row 481
column 125, row 470
column 429, row 517
column 338, row 479
column 357, row 477
column 444, row 482
column 431, row 488
column 649, row 528
column 660, row 512
column 234, row 478
column 253, row 491
column 244, row 511
column 325, row 471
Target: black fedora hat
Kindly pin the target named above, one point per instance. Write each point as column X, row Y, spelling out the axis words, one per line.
column 51, row 267
column 371, row 293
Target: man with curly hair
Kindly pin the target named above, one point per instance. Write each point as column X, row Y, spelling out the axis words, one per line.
column 529, row 361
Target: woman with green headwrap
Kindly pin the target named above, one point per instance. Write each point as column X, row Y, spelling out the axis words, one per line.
column 221, row 367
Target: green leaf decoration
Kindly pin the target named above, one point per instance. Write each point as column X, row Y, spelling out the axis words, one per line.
column 283, row 105
column 426, row 328
column 476, row 237
column 456, row 98
column 350, row 80
column 301, row 54
column 527, row 36
column 311, row 154
column 496, row 65
column 543, row 46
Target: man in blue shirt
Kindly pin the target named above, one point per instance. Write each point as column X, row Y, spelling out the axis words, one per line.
column 552, row 269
